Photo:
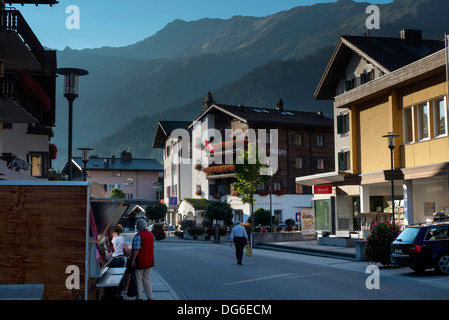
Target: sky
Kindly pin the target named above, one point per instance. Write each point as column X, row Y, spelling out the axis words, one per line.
column 117, row 23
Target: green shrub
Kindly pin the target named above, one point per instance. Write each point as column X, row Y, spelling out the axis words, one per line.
column 378, row 244
column 158, row 231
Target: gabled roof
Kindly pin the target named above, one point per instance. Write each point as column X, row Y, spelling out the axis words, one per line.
column 270, row 116
column 118, row 164
column 387, row 54
column 164, row 130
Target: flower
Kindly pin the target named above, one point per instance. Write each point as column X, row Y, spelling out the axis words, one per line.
column 33, row 89
column 53, row 151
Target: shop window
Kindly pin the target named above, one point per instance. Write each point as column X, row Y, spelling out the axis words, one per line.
column 322, row 214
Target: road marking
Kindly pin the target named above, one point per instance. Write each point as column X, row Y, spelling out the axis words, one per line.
column 289, row 275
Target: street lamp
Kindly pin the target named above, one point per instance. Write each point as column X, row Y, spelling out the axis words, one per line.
column 71, row 93
column 391, row 145
column 85, row 159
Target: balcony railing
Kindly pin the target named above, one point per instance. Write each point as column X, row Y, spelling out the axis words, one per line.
column 11, row 89
column 12, row 20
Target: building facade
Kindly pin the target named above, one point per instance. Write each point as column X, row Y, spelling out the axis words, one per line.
column 383, row 85
column 301, row 142
column 137, row 178
column 27, row 98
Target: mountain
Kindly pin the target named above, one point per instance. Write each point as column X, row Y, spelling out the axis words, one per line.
column 163, row 74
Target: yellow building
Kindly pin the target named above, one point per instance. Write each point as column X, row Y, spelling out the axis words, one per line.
column 382, row 85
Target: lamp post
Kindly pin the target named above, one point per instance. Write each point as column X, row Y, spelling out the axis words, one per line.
column 391, row 145
column 85, row 159
column 71, row 93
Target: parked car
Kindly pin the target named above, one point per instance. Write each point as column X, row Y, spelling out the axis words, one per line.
column 422, row 247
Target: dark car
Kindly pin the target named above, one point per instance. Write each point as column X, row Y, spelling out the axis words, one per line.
column 422, row 247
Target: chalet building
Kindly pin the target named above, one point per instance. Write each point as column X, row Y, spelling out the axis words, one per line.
column 305, row 146
column 383, row 85
column 137, row 178
column 27, row 98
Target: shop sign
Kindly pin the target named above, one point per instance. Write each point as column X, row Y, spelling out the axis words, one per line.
column 325, row 189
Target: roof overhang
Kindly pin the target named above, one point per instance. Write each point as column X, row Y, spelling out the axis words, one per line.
column 322, row 178
column 336, row 68
column 420, row 70
column 214, row 106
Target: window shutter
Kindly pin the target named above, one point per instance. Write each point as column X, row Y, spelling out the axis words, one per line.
column 341, row 161
column 340, row 124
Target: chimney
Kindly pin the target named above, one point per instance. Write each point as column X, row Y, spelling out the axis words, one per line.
column 413, row 38
column 126, row 155
column 280, row 105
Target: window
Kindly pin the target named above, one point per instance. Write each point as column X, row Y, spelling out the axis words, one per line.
column 408, row 125
column 278, row 216
column 439, row 117
column 277, row 186
column 437, row 233
column 115, row 174
column 298, row 163
column 297, row 139
column 129, row 181
column 40, row 163
column 344, row 161
column 320, row 163
column 320, row 141
column 129, row 196
column 238, row 215
column 423, row 121
column 343, row 123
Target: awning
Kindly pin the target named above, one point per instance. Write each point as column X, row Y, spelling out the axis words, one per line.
column 107, row 213
column 322, row 178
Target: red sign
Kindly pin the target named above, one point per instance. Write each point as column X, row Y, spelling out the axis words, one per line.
column 326, row 189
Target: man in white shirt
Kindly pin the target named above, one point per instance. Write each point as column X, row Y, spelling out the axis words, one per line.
column 240, row 238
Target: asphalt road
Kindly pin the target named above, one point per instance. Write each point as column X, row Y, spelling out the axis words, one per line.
column 208, row 271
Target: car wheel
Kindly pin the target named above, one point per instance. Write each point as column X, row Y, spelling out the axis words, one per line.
column 442, row 264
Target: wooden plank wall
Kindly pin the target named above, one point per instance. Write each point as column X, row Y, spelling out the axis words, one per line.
column 43, row 231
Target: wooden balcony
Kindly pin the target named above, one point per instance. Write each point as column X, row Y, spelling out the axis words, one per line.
column 27, row 101
column 21, row 49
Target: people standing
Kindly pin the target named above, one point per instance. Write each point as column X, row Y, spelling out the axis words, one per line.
column 118, row 258
column 240, row 238
column 142, row 259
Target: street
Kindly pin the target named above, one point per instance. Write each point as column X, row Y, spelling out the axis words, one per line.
column 208, row 271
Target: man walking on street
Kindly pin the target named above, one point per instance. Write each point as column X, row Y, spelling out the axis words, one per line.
column 142, row 259
column 240, row 238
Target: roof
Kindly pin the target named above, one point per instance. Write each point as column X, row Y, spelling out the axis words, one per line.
column 111, row 164
column 270, row 116
column 165, row 129
column 388, row 54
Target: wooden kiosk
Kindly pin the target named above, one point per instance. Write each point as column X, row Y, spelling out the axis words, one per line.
column 55, row 234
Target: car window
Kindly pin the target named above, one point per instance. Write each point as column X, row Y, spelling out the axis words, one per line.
column 408, row 234
column 437, row 233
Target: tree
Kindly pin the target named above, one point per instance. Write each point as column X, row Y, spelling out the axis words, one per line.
column 217, row 210
column 156, row 212
column 262, row 216
column 117, row 193
column 248, row 176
